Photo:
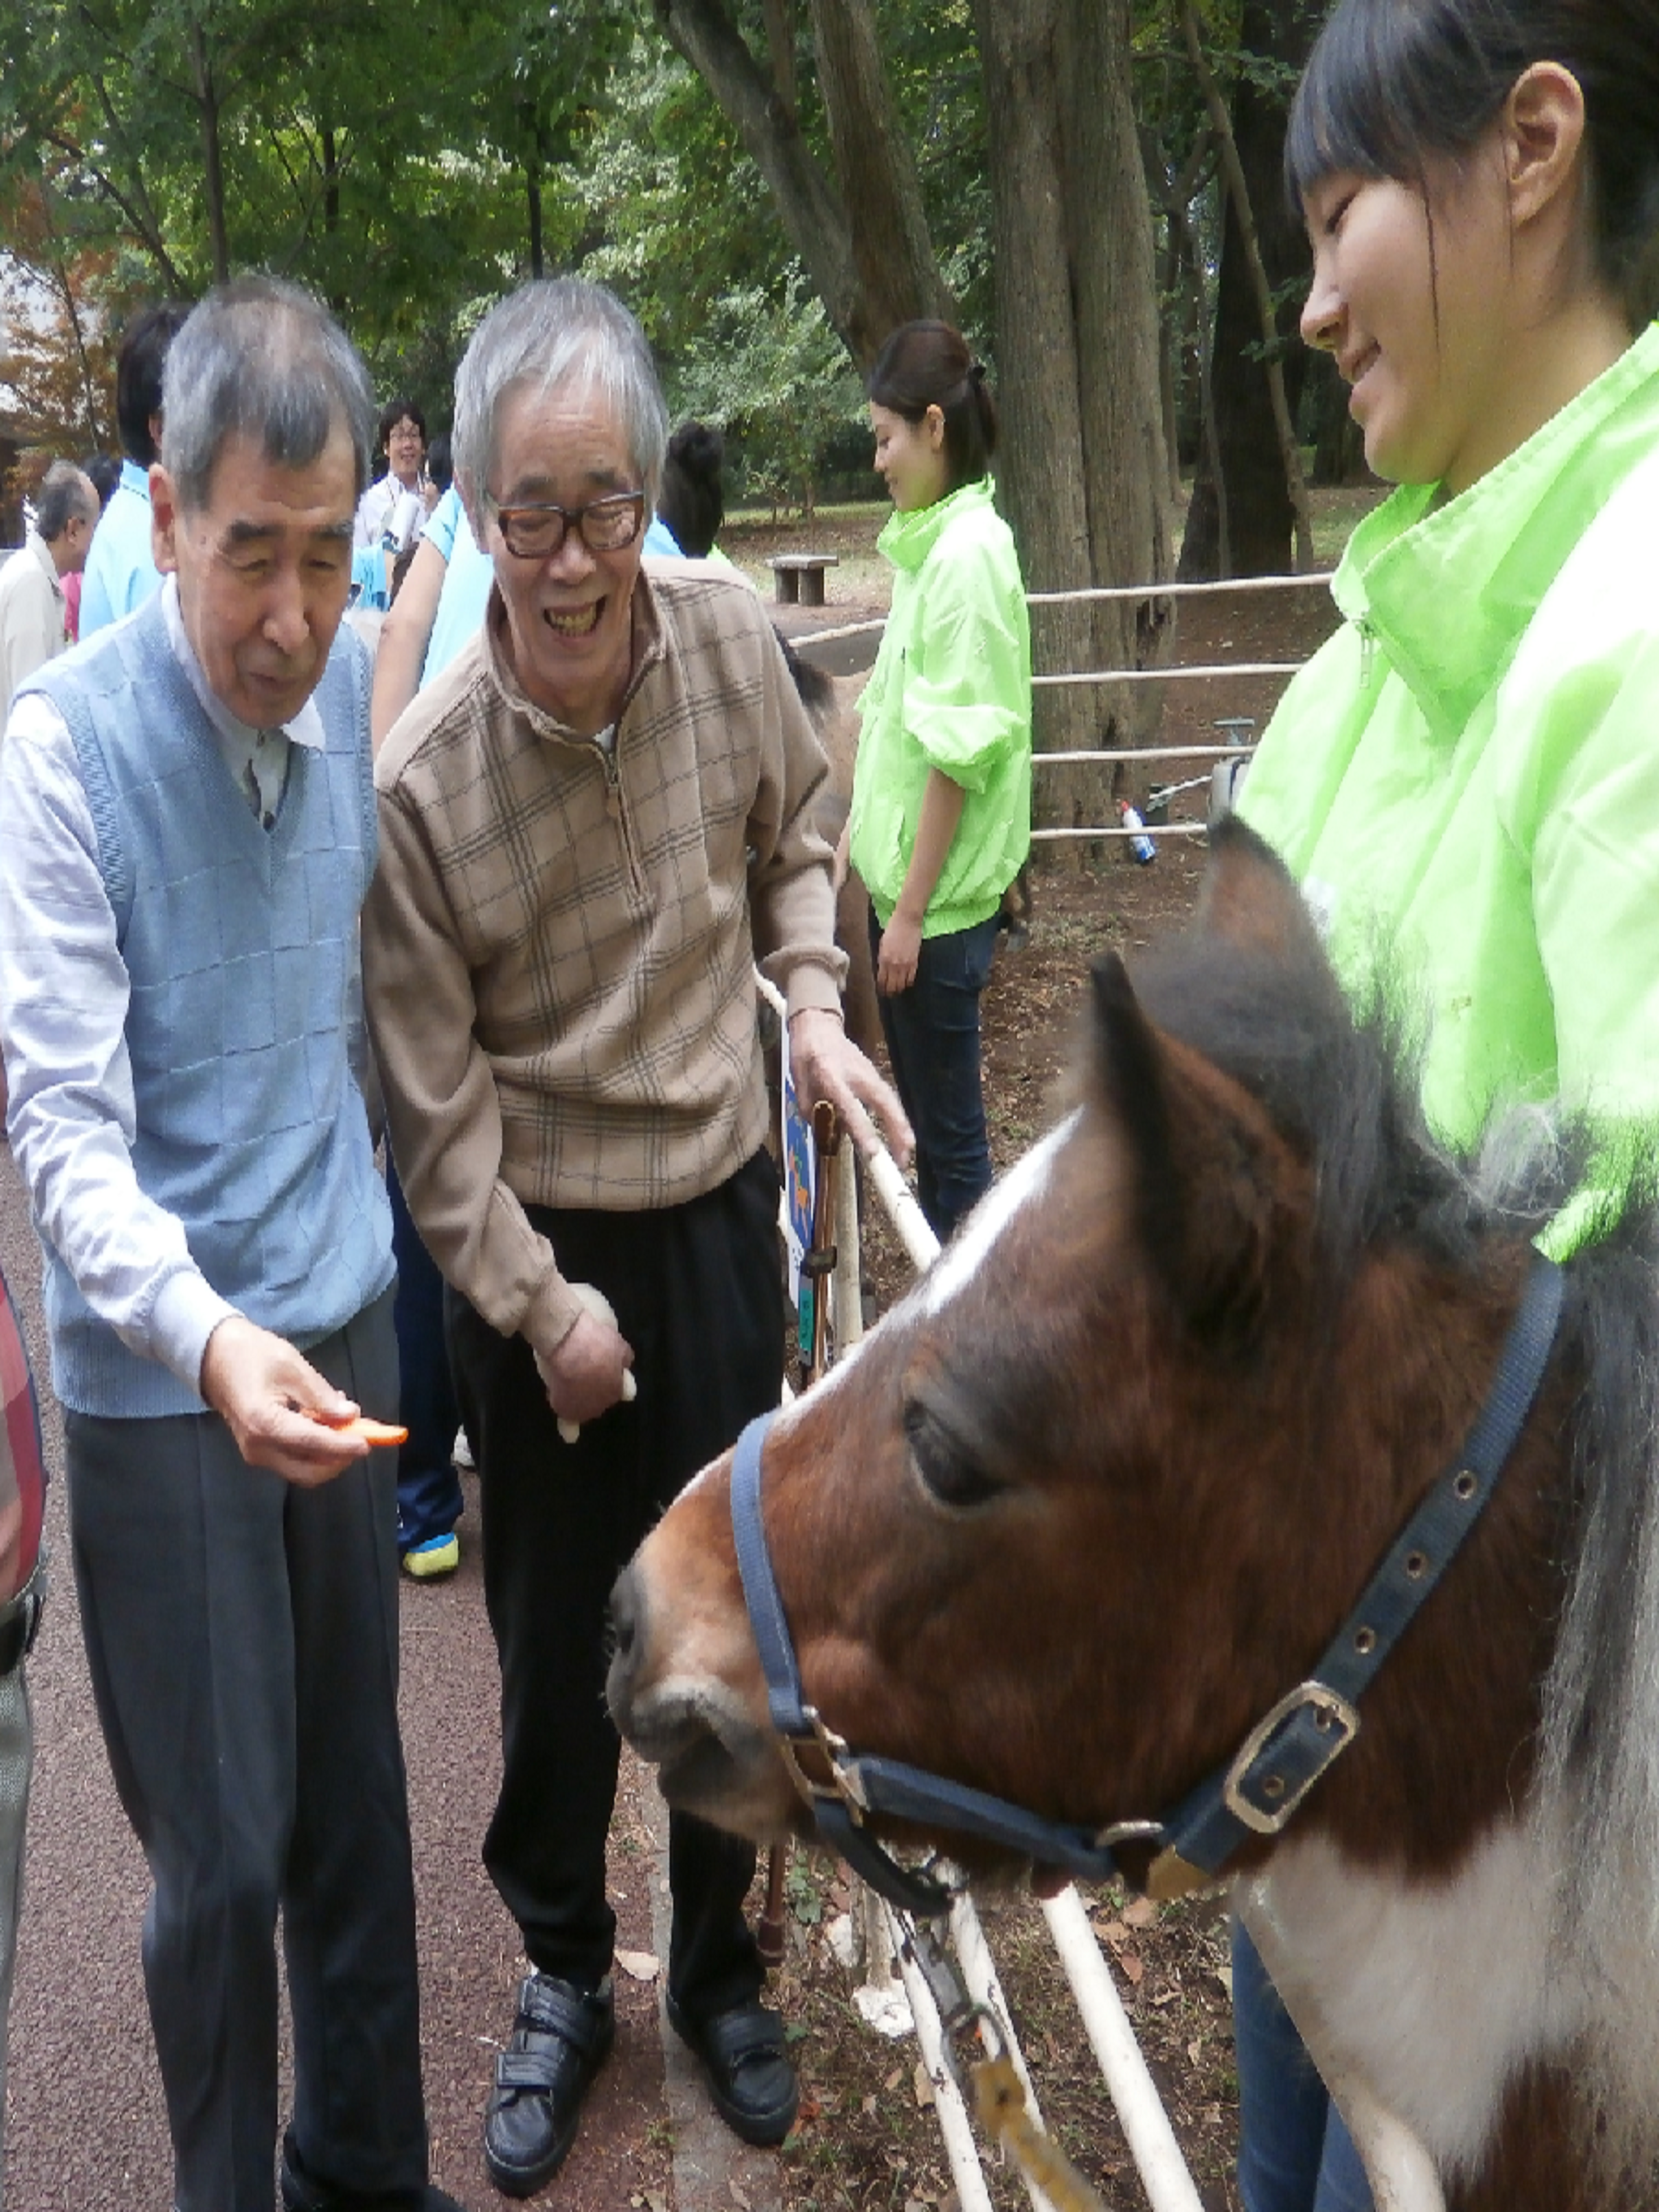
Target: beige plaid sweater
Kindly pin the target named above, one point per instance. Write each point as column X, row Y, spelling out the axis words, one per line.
column 558, row 946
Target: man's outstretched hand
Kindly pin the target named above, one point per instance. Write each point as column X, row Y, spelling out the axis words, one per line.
column 276, row 1405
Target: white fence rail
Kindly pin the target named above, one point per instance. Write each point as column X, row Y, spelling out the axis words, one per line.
column 889, row 1968
column 1134, row 755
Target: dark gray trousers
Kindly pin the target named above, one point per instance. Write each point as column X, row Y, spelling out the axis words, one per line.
column 242, row 1637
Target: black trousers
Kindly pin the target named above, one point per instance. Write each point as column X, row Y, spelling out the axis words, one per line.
column 242, row 1639
column 696, row 1290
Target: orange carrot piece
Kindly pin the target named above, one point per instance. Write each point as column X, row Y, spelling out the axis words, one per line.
column 371, row 1432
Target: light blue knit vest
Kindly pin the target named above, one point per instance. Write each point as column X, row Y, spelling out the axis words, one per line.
column 240, row 944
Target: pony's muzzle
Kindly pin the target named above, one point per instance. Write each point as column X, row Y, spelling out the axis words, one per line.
column 716, row 1757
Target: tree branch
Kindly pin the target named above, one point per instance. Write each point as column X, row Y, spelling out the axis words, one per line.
column 704, row 34
column 143, row 232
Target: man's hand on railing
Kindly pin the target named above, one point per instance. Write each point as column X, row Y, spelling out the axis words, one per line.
column 827, row 1064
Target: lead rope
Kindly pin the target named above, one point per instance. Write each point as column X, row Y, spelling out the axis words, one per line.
column 999, row 2094
column 817, row 1265
column 999, row 2101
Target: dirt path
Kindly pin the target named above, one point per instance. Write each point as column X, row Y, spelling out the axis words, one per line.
column 86, row 2128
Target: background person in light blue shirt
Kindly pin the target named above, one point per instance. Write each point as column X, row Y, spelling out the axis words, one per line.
column 121, row 571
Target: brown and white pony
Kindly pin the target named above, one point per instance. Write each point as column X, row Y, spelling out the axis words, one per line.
column 1085, row 1505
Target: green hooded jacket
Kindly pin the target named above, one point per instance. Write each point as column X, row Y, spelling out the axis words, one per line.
column 1465, row 780
column 951, row 690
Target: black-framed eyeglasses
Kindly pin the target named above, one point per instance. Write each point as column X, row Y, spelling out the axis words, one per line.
column 536, row 532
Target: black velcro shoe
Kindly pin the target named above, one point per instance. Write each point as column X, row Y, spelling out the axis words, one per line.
column 560, row 2040
column 745, row 2060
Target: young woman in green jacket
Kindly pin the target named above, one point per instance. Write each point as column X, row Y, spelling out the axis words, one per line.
column 941, row 814
column 1466, row 779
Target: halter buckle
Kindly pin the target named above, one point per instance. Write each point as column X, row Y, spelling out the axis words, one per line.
column 1277, row 1795
column 843, row 1783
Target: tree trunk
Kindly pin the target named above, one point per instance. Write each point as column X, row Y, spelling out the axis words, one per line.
column 532, row 193
column 779, row 16
column 1239, row 208
column 330, row 182
column 65, row 290
column 897, row 271
column 213, row 171
column 1186, row 275
column 1260, row 515
column 1083, row 468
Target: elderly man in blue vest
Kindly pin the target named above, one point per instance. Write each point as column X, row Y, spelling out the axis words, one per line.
column 187, row 833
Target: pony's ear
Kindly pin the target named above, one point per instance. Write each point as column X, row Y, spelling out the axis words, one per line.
column 1250, row 898
column 1203, row 1167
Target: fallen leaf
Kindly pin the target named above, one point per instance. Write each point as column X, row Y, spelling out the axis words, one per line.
column 894, row 2078
column 642, row 1965
column 1132, row 1967
column 921, row 2082
column 739, row 2198
column 1139, row 1912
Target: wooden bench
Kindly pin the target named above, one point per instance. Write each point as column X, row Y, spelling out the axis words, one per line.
column 799, row 576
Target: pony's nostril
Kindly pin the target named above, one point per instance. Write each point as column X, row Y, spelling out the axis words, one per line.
column 625, row 1615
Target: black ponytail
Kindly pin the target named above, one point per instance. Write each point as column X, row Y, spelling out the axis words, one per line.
column 927, row 364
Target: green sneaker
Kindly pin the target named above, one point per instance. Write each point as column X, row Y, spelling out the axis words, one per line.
column 431, row 1561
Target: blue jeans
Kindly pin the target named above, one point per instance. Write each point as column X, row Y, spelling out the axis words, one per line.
column 429, row 1488
column 933, row 1041
column 1294, row 2153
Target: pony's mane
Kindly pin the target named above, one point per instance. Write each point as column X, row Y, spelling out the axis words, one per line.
column 1342, row 1083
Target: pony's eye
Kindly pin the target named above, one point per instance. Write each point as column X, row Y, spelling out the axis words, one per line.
column 949, row 1472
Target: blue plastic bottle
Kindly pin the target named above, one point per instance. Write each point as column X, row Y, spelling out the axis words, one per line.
column 1141, row 846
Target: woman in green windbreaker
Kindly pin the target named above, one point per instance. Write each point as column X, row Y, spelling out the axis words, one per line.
column 941, row 815
column 1466, row 778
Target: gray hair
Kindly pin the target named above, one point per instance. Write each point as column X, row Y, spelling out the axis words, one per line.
column 260, row 358
column 65, row 494
column 558, row 331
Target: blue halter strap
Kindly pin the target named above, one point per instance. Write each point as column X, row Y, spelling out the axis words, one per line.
column 1260, row 1788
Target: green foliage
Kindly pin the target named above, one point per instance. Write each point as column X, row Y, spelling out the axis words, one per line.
column 805, row 1897
column 771, row 371
column 409, row 158
column 386, row 156
column 679, row 216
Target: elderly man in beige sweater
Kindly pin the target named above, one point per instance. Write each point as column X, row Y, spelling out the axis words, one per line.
column 592, row 825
